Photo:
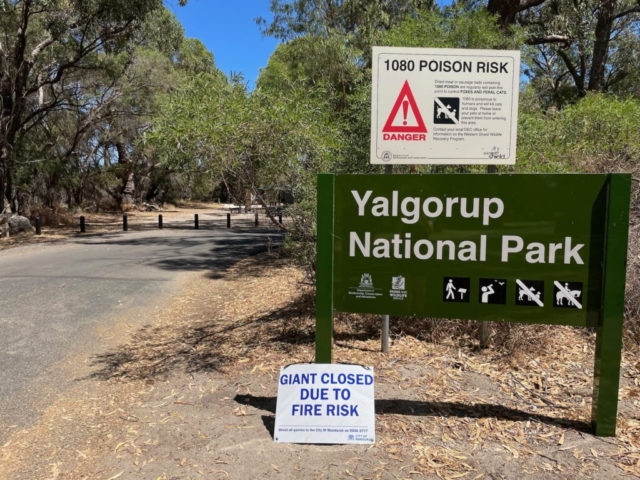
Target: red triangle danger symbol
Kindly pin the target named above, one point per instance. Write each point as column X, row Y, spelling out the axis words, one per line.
column 405, row 102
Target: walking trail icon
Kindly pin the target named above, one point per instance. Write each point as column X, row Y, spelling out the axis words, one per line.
column 407, row 101
column 456, row 289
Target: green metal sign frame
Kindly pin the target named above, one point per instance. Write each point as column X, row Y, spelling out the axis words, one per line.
column 592, row 209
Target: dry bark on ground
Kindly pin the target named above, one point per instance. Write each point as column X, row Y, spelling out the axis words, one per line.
column 192, row 395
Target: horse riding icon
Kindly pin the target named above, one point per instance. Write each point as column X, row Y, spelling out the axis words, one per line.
column 568, row 294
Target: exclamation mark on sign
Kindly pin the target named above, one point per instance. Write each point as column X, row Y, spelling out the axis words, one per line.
column 405, row 110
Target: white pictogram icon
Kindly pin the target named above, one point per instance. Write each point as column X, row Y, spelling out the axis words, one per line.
column 565, row 293
column 446, row 111
column 528, row 294
column 486, row 292
column 450, row 290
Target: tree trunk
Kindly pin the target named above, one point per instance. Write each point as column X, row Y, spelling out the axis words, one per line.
column 7, row 141
column 128, row 179
column 247, row 200
column 601, row 44
column 10, row 191
column 129, row 189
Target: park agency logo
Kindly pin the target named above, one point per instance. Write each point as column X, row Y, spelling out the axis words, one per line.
column 398, row 291
column 366, row 281
column 365, row 289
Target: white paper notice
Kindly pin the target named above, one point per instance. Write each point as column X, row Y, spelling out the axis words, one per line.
column 325, row 403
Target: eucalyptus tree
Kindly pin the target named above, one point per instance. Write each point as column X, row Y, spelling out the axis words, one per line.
column 359, row 22
column 45, row 45
column 583, row 46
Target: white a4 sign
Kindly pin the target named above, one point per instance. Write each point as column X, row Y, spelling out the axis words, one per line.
column 325, row 403
column 444, row 106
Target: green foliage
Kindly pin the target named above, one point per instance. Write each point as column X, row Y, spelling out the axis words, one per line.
column 599, row 133
column 193, row 58
column 262, row 139
column 366, row 18
column 162, row 32
column 457, row 29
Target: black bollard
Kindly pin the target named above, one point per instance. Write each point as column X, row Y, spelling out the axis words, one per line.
column 83, row 227
column 160, row 221
column 256, row 219
column 280, row 219
column 196, row 222
column 38, row 226
column 228, row 220
column 125, row 223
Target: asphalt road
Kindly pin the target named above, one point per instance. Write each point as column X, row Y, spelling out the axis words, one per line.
column 54, row 298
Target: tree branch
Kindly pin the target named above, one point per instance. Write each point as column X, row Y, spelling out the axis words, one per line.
column 579, row 81
column 549, row 39
column 41, row 46
column 627, row 12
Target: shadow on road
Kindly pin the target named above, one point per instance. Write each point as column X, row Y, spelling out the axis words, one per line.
column 212, row 251
column 432, row 409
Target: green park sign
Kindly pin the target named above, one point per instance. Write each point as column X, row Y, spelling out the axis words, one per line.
column 543, row 249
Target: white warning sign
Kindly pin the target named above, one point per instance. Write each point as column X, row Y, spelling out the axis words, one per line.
column 325, row 403
column 444, row 106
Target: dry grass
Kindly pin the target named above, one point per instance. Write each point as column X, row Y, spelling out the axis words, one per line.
column 50, row 217
column 632, row 301
column 443, row 408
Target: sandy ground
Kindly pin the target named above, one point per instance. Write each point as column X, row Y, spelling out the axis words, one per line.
column 191, row 394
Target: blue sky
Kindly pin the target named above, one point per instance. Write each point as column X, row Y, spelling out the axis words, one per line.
column 229, row 30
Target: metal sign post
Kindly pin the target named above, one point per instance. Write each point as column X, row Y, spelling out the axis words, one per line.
column 536, row 249
column 388, row 169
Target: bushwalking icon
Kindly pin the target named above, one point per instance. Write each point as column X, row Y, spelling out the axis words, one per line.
column 456, row 289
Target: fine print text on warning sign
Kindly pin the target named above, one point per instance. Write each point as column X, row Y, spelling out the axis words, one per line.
column 325, row 404
column 444, row 106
